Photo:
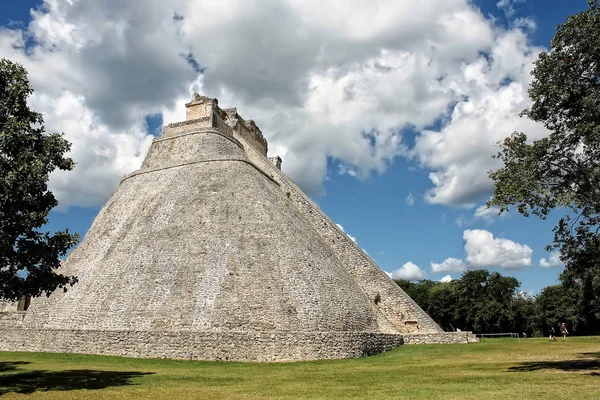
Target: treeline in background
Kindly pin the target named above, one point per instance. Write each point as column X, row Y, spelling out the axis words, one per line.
column 488, row 302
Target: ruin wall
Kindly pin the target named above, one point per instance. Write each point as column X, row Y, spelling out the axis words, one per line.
column 439, row 338
column 277, row 346
column 11, row 319
column 280, row 346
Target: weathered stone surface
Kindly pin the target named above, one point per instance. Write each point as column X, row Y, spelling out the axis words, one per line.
column 210, row 252
column 276, row 161
column 216, row 345
column 439, row 338
column 6, row 306
column 394, row 306
column 11, row 319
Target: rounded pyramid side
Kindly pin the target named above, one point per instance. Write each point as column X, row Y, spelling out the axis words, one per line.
column 393, row 305
column 197, row 240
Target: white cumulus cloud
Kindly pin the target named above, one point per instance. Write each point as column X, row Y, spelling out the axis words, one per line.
column 552, row 261
column 449, row 265
column 322, row 79
column 484, row 250
column 492, row 92
column 446, row 278
column 103, row 156
column 409, row 271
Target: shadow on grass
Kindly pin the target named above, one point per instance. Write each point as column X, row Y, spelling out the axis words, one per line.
column 587, row 362
column 31, row 381
column 7, row 366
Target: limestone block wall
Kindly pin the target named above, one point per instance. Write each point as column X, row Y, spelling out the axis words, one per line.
column 218, row 345
column 248, row 130
column 372, row 280
column 204, row 144
column 8, row 306
column 191, row 244
column 440, row 338
column 276, row 161
column 11, row 319
column 193, row 125
column 200, row 107
column 252, row 135
column 199, row 256
column 193, row 146
column 280, row 346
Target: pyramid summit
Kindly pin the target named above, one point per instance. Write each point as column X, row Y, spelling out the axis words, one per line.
column 209, row 251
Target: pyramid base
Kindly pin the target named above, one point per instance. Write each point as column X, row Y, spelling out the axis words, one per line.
column 214, row 345
column 440, row 338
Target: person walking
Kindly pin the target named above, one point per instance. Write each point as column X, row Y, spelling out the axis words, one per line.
column 552, row 334
column 564, row 331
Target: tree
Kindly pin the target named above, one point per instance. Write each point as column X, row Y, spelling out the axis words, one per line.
column 523, row 315
column 561, row 171
column 28, row 258
column 471, row 300
column 480, row 301
column 501, row 292
column 555, row 305
column 584, row 289
column 484, row 301
column 442, row 304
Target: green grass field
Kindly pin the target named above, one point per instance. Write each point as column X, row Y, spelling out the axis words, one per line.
column 494, row 369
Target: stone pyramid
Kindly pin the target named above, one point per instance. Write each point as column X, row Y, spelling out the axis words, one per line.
column 209, row 251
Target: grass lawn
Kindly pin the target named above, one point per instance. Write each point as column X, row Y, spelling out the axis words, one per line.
column 496, row 368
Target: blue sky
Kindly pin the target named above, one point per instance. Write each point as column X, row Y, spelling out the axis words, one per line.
column 316, row 91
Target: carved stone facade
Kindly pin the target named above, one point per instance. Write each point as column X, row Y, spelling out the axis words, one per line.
column 211, row 252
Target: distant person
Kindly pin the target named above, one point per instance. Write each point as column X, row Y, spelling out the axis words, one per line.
column 564, row 331
column 552, row 334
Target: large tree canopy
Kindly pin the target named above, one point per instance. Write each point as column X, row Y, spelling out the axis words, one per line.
column 480, row 301
column 28, row 258
column 561, row 171
column 488, row 302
